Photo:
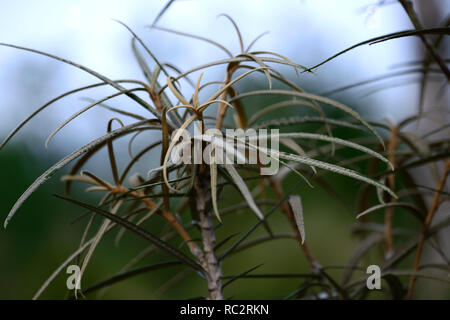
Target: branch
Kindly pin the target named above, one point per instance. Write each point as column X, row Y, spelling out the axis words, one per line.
column 406, row 4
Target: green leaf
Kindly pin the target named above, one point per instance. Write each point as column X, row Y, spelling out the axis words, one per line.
column 213, row 173
column 237, row 179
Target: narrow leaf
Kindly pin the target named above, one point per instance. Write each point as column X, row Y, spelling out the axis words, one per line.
column 296, row 204
column 243, row 189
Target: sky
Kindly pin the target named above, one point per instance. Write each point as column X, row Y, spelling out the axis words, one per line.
column 307, row 31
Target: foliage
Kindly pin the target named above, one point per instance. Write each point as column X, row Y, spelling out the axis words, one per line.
column 187, row 195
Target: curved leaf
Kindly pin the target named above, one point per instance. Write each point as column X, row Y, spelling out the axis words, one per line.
column 60, row 164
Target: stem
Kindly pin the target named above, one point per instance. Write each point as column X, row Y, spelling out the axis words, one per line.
column 426, row 226
column 392, row 145
column 210, row 261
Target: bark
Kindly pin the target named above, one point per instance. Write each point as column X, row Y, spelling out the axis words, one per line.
column 210, row 261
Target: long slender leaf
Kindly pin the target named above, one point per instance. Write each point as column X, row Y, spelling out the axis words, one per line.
column 405, row 205
column 317, row 98
column 346, row 143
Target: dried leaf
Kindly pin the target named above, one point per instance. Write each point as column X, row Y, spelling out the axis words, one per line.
column 296, row 204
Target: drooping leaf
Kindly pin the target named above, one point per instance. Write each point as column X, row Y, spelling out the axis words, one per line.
column 60, row 164
column 405, row 205
column 31, row 116
column 315, row 136
column 241, row 275
column 237, row 179
column 262, row 65
column 390, row 36
column 119, row 111
column 98, row 237
column 140, row 232
column 296, row 205
column 129, row 274
column 252, row 229
column 336, row 169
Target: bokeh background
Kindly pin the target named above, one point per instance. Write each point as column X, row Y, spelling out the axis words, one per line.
column 41, row 236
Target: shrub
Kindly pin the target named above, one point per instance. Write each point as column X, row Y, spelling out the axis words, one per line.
column 187, row 195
